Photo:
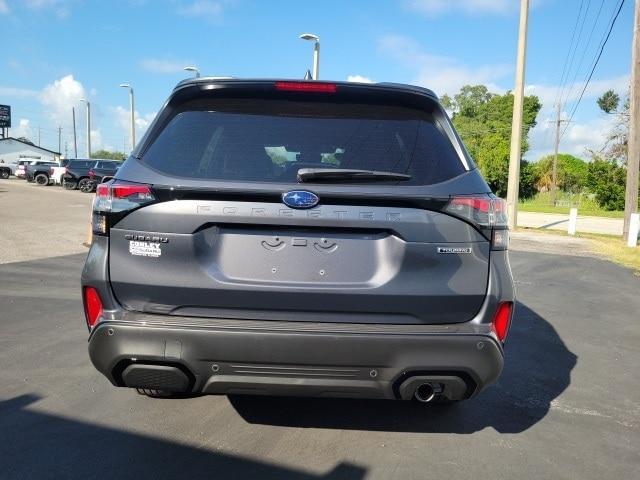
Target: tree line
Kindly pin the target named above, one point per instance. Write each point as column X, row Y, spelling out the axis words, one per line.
column 483, row 120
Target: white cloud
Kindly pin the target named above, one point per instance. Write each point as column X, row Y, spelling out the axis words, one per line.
column 59, row 96
column 123, row 121
column 96, row 140
column 442, row 74
column 61, row 8
column 155, row 65
column 432, row 8
column 548, row 93
column 208, row 9
column 4, row 8
column 581, row 134
column 24, row 130
column 359, row 78
column 18, row 92
column 436, row 7
column 579, row 137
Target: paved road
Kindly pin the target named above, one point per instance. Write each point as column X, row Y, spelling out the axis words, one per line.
column 554, row 221
column 36, row 221
column 567, row 405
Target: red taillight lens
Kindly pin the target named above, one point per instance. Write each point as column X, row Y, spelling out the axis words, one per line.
column 92, row 306
column 115, row 197
column 317, row 87
column 502, row 320
column 487, row 212
column 481, row 204
column 91, row 173
column 102, row 190
column 127, row 191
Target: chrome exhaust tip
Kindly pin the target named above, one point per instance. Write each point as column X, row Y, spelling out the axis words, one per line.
column 425, row 393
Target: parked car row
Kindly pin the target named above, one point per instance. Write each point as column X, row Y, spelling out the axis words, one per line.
column 71, row 173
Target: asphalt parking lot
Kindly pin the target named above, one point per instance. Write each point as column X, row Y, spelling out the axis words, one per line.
column 567, row 405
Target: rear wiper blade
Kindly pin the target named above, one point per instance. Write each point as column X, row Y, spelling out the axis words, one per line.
column 347, row 175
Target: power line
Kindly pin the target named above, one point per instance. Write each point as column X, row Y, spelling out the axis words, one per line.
column 595, row 64
column 584, row 52
column 566, row 60
column 575, row 49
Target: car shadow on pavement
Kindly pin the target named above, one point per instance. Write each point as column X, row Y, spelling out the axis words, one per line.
column 41, row 445
column 537, row 370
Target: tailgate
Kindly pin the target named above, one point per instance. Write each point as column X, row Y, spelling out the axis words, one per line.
column 335, row 263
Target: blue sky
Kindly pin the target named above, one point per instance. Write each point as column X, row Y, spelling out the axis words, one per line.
column 57, row 51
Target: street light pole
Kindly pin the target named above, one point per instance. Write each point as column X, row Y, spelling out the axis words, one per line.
column 516, row 125
column 133, row 114
column 75, row 141
column 316, row 52
column 194, row 69
column 88, row 126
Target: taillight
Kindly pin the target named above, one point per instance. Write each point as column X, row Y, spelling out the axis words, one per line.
column 487, row 212
column 502, row 320
column 91, row 173
column 115, row 198
column 51, row 171
column 317, row 87
column 92, row 306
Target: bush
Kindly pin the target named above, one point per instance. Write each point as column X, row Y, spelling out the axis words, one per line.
column 528, row 180
column 606, row 179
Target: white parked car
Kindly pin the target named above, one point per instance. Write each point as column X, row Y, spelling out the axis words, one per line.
column 56, row 174
column 21, row 169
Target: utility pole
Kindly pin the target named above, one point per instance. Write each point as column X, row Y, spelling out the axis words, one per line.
column 59, row 139
column 633, row 160
column 554, row 175
column 84, row 100
column 75, row 141
column 39, row 132
column 516, row 125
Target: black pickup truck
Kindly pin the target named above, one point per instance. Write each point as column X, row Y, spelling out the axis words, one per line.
column 39, row 172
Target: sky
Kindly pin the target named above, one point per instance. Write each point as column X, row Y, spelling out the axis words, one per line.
column 56, row 52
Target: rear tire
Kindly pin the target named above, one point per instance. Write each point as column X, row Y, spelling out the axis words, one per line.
column 42, row 179
column 4, row 173
column 154, row 393
column 69, row 185
column 85, row 185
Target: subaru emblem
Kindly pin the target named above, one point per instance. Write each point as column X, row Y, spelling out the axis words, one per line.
column 300, row 199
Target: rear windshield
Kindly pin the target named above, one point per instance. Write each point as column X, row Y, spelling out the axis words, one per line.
column 269, row 140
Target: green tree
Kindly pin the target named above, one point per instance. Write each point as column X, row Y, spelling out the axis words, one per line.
column 483, row 120
column 572, row 173
column 615, row 147
column 528, row 179
column 606, row 179
column 107, row 155
column 609, row 101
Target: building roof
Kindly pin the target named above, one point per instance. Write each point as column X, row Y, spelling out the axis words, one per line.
column 29, row 145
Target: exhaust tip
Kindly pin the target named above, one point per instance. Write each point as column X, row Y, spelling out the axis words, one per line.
column 425, row 393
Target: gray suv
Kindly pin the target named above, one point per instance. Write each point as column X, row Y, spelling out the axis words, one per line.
column 299, row 238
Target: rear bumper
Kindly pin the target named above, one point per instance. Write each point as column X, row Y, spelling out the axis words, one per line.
column 295, row 358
